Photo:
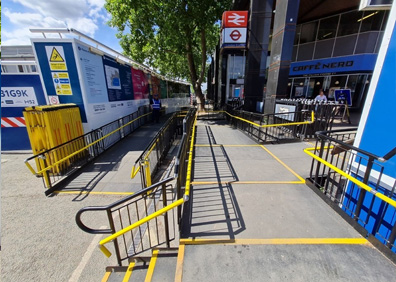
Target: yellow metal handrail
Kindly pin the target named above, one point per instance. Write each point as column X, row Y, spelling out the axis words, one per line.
column 161, row 211
column 351, row 178
column 81, row 150
column 272, row 125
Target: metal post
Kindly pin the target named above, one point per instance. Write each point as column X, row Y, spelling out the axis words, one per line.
column 166, row 216
column 322, row 145
column 363, row 192
column 392, row 237
column 111, row 223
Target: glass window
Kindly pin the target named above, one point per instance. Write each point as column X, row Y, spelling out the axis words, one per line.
column 33, row 68
column 297, row 35
column 11, row 69
column 366, row 42
column 324, row 49
column 371, row 20
column 294, row 55
column 308, row 32
column 316, row 83
column 383, row 25
column 349, row 23
column 381, row 34
column 299, row 88
column 305, row 52
column 345, row 46
column 289, row 87
column 336, row 82
column 328, row 28
column 236, row 67
column 20, row 68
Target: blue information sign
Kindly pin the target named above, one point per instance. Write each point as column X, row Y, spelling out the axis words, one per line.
column 343, row 96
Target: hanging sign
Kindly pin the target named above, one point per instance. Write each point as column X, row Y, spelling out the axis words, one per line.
column 234, row 37
column 235, row 19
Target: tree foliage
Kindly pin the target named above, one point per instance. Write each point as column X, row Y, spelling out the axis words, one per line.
column 173, row 36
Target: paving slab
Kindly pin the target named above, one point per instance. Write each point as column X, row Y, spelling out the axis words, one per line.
column 286, row 263
column 262, row 211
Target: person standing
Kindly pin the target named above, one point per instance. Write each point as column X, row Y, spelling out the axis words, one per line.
column 321, row 97
column 155, row 104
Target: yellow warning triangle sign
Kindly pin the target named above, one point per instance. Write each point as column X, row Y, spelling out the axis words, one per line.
column 55, row 56
column 55, row 76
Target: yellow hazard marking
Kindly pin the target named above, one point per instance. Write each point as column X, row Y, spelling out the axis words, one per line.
column 277, row 241
column 106, row 276
column 55, row 76
column 219, row 145
column 93, row 193
column 246, row 182
column 179, row 265
column 55, row 56
column 150, row 270
column 128, row 272
column 282, row 163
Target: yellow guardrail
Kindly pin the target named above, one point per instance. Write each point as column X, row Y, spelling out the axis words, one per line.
column 384, row 198
column 271, row 125
column 79, row 151
column 161, row 211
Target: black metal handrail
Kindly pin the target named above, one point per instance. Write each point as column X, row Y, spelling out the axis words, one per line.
column 144, row 192
column 355, row 180
column 280, row 132
column 138, row 208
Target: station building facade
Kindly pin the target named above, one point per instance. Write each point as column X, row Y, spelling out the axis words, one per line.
column 335, row 51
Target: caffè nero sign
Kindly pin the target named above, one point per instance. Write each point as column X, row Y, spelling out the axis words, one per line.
column 321, row 66
column 347, row 64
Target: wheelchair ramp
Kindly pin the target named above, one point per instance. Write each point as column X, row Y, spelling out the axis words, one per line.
column 252, row 218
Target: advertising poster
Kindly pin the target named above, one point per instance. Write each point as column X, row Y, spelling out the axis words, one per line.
column 92, row 75
column 155, row 84
column 140, row 84
column 118, row 79
column 150, row 86
column 163, row 89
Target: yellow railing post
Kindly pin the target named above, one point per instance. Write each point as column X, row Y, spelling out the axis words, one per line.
column 148, row 173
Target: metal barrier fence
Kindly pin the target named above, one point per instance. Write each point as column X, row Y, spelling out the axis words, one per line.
column 54, row 167
column 325, row 113
column 154, row 153
column 357, row 182
column 140, row 222
column 272, row 127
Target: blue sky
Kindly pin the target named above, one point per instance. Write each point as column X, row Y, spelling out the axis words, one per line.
column 86, row 16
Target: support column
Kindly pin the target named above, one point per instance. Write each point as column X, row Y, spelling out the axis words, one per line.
column 258, row 41
column 281, row 52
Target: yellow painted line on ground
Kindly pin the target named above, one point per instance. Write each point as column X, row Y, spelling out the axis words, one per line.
column 282, row 163
column 128, row 273
column 93, row 193
column 179, row 265
column 106, row 276
column 151, row 267
column 277, row 241
column 220, row 145
column 246, row 182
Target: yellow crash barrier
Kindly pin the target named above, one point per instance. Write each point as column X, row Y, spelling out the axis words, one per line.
column 51, row 126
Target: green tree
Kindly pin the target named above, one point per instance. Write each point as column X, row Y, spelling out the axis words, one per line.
column 173, row 36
